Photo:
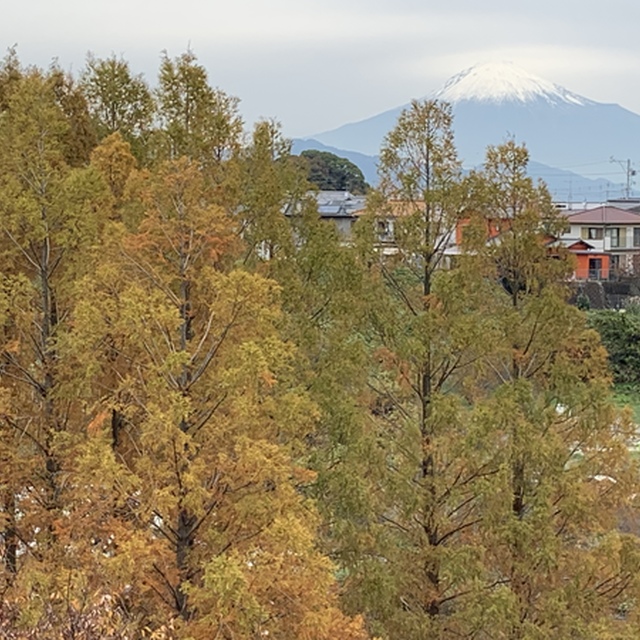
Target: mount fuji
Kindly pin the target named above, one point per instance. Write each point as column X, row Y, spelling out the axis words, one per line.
column 493, row 102
column 499, row 83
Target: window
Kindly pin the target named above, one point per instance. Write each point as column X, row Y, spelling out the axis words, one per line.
column 614, row 234
column 594, row 233
column 614, row 263
column 385, row 230
column 636, row 237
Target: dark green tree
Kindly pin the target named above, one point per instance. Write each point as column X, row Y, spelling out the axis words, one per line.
column 620, row 334
column 330, row 172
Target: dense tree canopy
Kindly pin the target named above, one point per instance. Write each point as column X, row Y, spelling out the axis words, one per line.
column 488, row 397
column 620, row 333
column 330, row 172
column 219, row 420
column 152, row 431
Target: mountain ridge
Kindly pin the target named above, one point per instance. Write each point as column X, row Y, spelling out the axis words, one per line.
column 564, row 185
column 492, row 103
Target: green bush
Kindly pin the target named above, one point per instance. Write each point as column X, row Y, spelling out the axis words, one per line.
column 620, row 334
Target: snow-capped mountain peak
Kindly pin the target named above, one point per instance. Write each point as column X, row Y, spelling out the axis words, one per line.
column 504, row 82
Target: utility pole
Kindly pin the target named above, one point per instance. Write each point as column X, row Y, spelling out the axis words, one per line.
column 630, row 172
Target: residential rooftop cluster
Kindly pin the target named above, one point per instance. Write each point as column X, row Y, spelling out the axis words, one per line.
column 603, row 237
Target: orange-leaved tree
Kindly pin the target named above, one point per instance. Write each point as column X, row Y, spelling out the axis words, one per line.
column 50, row 220
column 214, row 531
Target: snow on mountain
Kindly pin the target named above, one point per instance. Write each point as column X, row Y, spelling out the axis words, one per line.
column 499, row 101
column 504, row 82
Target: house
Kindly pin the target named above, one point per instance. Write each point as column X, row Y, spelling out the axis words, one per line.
column 592, row 263
column 342, row 208
column 388, row 222
column 605, row 241
column 600, row 250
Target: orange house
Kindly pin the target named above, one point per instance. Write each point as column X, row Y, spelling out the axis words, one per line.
column 590, row 263
column 605, row 241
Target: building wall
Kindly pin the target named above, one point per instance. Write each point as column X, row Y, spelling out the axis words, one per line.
column 583, row 270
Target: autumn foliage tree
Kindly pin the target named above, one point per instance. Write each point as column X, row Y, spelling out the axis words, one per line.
column 489, row 401
column 564, row 456
column 426, row 337
column 49, row 229
column 153, row 429
column 219, row 421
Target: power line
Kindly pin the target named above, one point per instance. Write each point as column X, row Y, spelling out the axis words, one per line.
column 630, row 173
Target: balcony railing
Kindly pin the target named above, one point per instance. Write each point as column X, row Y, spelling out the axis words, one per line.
column 601, row 275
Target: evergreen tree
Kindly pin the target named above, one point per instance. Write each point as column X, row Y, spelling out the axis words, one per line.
column 330, row 172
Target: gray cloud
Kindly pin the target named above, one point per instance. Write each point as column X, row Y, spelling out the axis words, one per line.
column 317, row 64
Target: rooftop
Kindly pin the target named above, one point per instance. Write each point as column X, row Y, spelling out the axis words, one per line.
column 338, row 204
column 604, row 215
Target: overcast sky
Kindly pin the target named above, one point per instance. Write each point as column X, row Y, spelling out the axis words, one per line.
column 314, row 65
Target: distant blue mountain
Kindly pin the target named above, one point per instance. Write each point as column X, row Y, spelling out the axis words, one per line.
column 567, row 186
column 495, row 102
column 563, row 185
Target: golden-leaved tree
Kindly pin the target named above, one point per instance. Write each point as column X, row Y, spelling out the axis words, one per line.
column 219, row 535
column 153, row 426
column 502, row 467
column 49, row 227
column 565, row 474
